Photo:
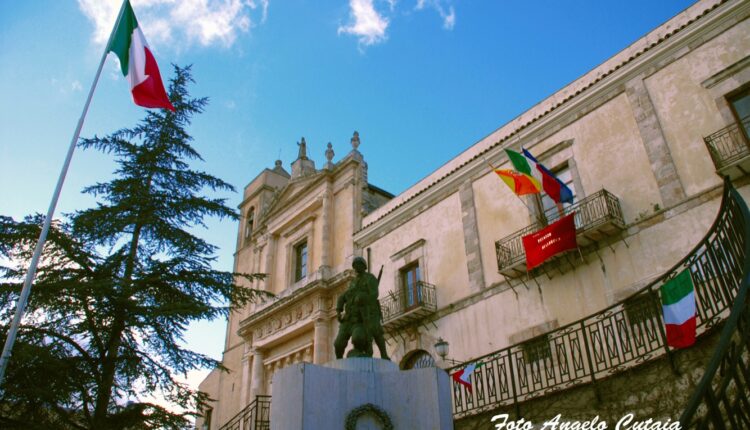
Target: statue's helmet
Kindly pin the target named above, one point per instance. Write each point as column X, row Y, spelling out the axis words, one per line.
column 359, row 261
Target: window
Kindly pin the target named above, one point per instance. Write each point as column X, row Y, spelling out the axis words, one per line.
column 207, row 419
column 410, row 277
column 249, row 223
column 550, row 208
column 640, row 308
column 536, row 349
column 300, row 261
column 741, row 108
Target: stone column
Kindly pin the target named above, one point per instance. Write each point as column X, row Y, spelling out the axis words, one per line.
column 327, row 220
column 322, row 341
column 471, row 237
column 244, row 388
column 270, row 256
column 256, row 383
column 657, row 149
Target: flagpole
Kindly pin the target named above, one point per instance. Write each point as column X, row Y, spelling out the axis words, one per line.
column 26, row 291
column 538, row 216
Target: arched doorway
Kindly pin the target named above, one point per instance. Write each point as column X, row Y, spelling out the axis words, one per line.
column 417, row 359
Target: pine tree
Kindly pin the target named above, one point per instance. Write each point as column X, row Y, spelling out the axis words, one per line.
column 121, row 281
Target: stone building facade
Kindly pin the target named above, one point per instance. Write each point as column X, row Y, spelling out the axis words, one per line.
column 640, row 140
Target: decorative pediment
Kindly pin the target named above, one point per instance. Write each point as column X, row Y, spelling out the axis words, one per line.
column 291, row 193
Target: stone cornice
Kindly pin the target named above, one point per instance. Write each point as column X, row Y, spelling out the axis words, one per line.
column 255, row 193
column 726, row 73
column 649, row 54
column 274, row 311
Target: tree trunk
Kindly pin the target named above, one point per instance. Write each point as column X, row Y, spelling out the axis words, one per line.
column 109, row 361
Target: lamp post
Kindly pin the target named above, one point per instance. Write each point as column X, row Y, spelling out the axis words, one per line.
column 442, row 347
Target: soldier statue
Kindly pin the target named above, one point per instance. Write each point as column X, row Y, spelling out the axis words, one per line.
column 359, row 315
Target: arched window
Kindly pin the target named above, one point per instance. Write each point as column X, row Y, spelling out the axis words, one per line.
column 249, row 223
column 418, row 359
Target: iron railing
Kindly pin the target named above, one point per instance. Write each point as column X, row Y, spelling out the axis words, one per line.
column 591, row 212
column 722, row 399
column 619, row 337
column 403, row 302
column 729, row 145
column 255, row 416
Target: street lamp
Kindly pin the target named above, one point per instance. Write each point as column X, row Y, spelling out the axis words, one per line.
column 441, row 347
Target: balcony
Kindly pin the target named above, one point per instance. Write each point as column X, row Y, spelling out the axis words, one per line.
column 730, row 149
column 405, row 307
column 597, row 217
column 255, row 416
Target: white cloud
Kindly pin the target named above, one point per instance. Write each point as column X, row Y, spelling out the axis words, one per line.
column 207, row 22
column 443, row 8
column 368, row 25
column 65, row 86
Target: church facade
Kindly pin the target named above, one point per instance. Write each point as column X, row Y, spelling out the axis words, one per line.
column 643, row 141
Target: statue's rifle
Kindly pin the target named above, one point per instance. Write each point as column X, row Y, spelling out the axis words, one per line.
column 380, row 273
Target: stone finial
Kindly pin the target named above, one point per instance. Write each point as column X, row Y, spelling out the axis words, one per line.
column 278, row 164
column 355, row 141
column 302, row 149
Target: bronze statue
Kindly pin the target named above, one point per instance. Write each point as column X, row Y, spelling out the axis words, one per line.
column 359, row 315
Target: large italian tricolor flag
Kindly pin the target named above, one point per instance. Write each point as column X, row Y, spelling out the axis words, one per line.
column 137, row 63
column 678, row 303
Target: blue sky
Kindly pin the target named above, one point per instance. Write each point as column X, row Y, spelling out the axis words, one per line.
column 421, row 80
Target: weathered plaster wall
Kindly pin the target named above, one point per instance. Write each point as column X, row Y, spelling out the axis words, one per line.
column 444, row 255
column 499, row 213
column 686, row 110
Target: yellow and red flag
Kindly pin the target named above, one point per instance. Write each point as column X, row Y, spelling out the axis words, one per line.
column 520, row 183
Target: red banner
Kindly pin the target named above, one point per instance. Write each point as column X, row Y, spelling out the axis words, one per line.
column 551, row 240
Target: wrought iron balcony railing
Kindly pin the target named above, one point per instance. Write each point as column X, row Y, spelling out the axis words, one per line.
column 255, row 416
column 627, row 333
column 722, row 399
column 730, row 148
column 406, row 306
column 596, row 216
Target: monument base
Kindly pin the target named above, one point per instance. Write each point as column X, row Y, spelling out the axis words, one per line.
column 360, row 393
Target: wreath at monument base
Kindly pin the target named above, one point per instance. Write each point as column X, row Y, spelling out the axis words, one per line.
column 381, row 415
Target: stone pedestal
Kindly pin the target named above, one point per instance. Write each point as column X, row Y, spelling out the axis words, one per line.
column 312, row 397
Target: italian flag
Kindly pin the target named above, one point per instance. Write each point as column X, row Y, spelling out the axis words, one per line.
column 551, row 184
column 678, row 303
column 137, row 63
column 463, row 376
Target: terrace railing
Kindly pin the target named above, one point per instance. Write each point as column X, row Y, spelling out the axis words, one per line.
column 722, row 399
column 621, row 336
column 403, row 307
column 255, row 416
column 597, row 210
column 729, row 145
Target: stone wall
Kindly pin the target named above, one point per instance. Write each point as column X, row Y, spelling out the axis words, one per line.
column 651, row 390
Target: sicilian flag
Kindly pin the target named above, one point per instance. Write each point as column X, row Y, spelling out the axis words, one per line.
column 554, row 187
column 557, row 237
column 463, row 376
column 678, row 304
column 519, row 183
column 137, row 62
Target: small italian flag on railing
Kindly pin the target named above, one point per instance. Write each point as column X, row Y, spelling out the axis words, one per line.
column 678, row 303
column 137, row 63
column 463, row 376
